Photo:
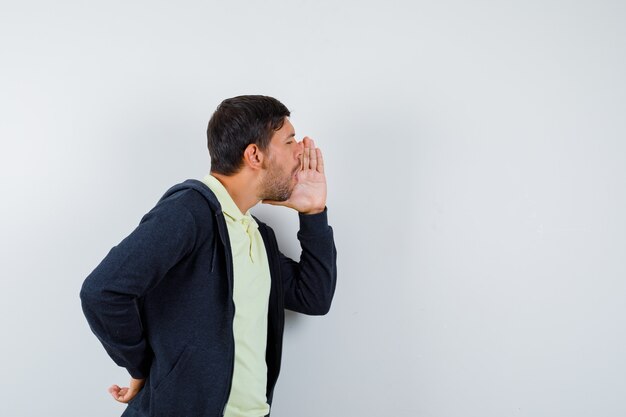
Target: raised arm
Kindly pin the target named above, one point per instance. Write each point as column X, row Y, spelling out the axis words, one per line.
column 309, row 285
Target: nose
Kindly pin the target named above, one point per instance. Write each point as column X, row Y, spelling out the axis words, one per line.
column 299, row 149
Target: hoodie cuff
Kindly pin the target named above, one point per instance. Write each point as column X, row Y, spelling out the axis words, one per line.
column 142, row 370
column 137, row 373
column 312, row 224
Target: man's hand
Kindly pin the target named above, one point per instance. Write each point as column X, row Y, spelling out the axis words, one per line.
column 309, row 193
column 126, row 394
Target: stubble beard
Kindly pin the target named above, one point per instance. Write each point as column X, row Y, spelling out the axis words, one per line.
column 276, row 186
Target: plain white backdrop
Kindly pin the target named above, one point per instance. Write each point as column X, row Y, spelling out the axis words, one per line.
column 476, row 160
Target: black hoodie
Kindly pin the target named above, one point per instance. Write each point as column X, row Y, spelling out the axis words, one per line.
column 161, row 301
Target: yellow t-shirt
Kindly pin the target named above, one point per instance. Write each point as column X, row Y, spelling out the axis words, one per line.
column 251, row 296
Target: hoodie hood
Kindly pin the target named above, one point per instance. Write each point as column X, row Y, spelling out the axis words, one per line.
column 200, row 187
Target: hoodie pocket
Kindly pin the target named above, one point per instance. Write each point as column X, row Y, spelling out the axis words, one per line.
column 191, row 388
column 177, row 369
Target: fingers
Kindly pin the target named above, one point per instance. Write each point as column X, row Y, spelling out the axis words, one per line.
column 306, row 154
column 124, row 395
column 117, row 393
column 311, row 156
column 320, row 160
column 114, row 390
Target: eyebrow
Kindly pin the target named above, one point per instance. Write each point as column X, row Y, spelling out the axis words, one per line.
column 291, row 136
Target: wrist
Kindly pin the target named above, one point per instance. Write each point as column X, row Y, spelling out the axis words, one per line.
column 313, row 211
column 313, row 224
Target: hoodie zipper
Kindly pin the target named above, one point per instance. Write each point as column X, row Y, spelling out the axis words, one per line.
column 203, row 189
column 272, row 248
column 221, row 224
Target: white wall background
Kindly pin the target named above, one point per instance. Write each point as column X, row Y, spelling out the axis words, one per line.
column 476, row 163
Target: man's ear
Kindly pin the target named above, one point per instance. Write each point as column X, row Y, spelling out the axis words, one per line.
column 253, row 156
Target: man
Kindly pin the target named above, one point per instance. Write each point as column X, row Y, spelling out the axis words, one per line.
column 192, row 302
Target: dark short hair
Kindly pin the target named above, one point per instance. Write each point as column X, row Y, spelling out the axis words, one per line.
column 236, row 123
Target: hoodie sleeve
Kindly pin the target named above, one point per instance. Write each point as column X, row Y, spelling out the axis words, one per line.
column 309, row 285
column 109, row 294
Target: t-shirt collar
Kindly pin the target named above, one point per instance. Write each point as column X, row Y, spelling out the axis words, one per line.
column 226, row 201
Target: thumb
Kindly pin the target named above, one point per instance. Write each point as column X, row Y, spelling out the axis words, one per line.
column 127, row 394
column 274, row 202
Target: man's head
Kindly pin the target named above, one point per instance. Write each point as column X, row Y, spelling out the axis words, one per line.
column 254, row 133
column 238, row 122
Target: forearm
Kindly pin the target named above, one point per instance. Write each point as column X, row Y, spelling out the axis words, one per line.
column 310, row 283
column 110, row 293
column 115, row 320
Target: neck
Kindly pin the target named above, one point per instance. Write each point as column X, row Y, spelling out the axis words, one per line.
column 241, row 187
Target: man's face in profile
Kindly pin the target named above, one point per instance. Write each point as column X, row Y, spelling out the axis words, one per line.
column 281, row 164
